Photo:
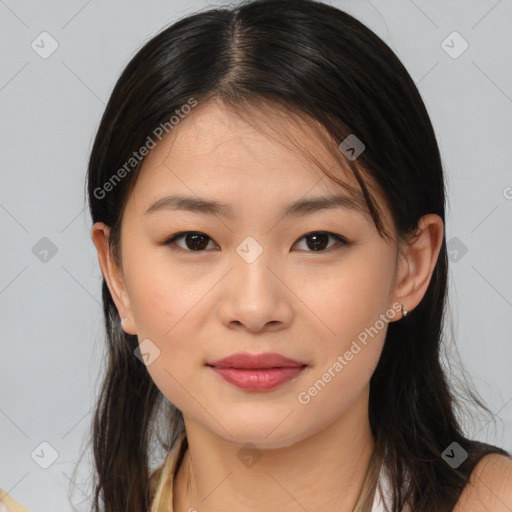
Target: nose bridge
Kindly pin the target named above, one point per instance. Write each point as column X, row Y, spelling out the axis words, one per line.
column 251, row 268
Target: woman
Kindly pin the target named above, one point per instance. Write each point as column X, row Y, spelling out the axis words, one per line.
column 277, row 372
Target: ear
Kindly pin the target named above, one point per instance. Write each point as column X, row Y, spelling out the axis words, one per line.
column 113, row 274
column 417, row 260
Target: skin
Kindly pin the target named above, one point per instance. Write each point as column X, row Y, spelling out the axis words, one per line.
column 489, row 488
column 308, row 305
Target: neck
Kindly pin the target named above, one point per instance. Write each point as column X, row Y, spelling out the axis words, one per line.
column 324, row 471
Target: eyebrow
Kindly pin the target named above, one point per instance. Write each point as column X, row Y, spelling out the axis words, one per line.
column 298, row 208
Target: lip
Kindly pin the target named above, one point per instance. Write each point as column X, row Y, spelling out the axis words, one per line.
column 256, row 361
column 258, row 372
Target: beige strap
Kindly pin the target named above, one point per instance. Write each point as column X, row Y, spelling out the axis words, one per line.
column 9, row 504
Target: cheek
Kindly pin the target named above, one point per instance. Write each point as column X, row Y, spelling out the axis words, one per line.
column 349, row 305
column 334, row 391
column 166, row 306
column 163, row 315
column 347, row 355
column 350, row 297
column 163, row 297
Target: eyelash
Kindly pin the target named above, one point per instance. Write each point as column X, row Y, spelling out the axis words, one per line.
column 177, row 236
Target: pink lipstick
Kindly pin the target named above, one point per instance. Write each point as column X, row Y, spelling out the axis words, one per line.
column 259, row 372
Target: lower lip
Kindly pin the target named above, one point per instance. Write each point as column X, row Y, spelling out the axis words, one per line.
column 258, row 380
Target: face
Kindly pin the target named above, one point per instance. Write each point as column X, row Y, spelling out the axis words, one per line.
column 315, row 285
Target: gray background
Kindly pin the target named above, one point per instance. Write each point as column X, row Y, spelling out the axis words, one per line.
column 52, row 335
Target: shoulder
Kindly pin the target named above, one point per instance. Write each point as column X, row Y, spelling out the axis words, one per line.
column 489, row 488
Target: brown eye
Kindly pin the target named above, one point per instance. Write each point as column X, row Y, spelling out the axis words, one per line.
column 318, row 241
column 193, row 241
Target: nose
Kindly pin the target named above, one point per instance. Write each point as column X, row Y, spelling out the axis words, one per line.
column 256, row 296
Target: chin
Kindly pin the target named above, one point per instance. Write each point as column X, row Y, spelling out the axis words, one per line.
column 262, row 433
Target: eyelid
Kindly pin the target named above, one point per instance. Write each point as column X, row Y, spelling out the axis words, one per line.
column 341, row 241
column 181, row 234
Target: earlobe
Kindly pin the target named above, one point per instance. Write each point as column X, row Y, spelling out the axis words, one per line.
column 100, row 233
column 417, row 261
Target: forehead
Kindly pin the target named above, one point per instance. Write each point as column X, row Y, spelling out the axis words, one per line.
column 214, row 153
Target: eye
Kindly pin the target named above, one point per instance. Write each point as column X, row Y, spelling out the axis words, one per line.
column 320, row 239
column 195, row 241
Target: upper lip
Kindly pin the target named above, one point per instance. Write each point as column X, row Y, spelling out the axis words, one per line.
column 266, row 360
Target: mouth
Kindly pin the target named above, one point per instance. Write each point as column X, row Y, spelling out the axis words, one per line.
column 260, row 372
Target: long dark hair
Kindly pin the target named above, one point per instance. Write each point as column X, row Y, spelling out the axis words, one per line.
column 319, row 62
